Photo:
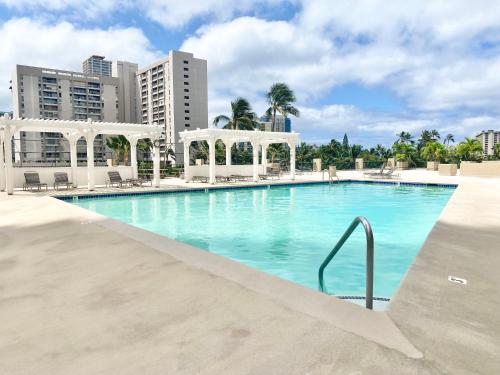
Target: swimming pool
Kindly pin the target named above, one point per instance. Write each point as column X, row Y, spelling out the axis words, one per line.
column 287, row 231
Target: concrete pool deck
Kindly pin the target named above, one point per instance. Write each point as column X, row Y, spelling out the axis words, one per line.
column 83, row 294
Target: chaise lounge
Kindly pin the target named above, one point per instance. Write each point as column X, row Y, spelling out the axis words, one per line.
column 61, row 179
column 115, row 179
column 32, row 180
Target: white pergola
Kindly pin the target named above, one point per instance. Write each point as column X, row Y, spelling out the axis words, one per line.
column 258, row 139
column 73, row 131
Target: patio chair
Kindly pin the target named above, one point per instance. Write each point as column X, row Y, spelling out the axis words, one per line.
column 391, row 173
column 116, row 180
column 199, row 179
column 61, row 179
column 274, row 172
column 375, row 173
column 33, row 180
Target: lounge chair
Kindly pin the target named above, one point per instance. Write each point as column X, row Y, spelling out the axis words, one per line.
column 391, row 173
column 199, row 179
column 61, row 179
column 238, row 177
column 116, row 180
column 221, row 179
column 375, row 173
column 33, row 180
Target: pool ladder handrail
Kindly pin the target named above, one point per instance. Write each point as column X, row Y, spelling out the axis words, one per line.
column 369, row 257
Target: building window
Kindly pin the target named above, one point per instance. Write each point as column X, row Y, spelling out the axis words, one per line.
column 186, row 83
column 186, row 104
column 186, row 62
column 186, row 90
column 186, row 97
column 187, row 125
column 186, row 76
column 186, row 118
column 186, row 69
column 186, row 111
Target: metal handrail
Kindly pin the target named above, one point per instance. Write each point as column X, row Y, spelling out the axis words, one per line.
column 369, row 257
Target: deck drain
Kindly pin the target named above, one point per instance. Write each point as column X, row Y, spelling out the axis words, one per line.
column 457, row 280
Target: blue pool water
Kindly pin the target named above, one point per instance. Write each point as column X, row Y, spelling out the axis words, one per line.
column 288, row 231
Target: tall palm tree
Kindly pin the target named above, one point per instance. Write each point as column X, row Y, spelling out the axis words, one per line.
column 242, row 117
column 405, row 138
column 449, row 138
column 280, row 99
column 434, row 135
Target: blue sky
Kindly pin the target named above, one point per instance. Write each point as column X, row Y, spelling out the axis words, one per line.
column 355, row 68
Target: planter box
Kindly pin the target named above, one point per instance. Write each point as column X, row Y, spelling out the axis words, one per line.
column 402, row 165
column 432, row 165
column 391, row 162
column 489, row 168
column 359, row 164
column 316, row 165
column 447, row 169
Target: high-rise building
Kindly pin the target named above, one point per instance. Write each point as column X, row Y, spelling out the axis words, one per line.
column 96, row 65
column 282, row 124
column 488, row 139
column 173, row 93
column 59, row 94
column 127, row 91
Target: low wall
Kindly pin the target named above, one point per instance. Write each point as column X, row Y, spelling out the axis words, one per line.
column 47, row 174
column 484, row 169
column 221, row 170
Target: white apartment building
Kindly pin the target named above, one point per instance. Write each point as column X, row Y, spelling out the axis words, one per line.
column 59, row 94
column 488, row 139
column 173, row 93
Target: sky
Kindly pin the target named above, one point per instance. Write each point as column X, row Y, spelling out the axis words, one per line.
column 368, row 68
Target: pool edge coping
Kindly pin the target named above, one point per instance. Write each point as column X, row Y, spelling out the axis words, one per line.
column 180, row 190
column 374, row 326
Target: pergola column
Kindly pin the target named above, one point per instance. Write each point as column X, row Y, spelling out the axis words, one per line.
column 9, row 176
column 89, row 137
column 187, row 176
column 73, row 159
column 255, row 147
column 292, row 159
column 264, row 157
column 2, row 166
column 211, row 160
column 156, row 163
column 133, row 155
column 229, row 145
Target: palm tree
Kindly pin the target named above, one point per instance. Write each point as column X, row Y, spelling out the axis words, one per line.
column 120, row 146
column 433, row 151
column 405, row 138
column 305, row 154
column 496, row 151
column 434, row 135
column 280, row 98
column 242, row 117
column 449, row 138
column 470, row 150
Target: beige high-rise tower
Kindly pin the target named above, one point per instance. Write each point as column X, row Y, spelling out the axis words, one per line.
column 173, row 93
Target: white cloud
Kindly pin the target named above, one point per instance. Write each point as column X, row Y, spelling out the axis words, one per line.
column 440, row 57
column 177, row 13
column 63, row 46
